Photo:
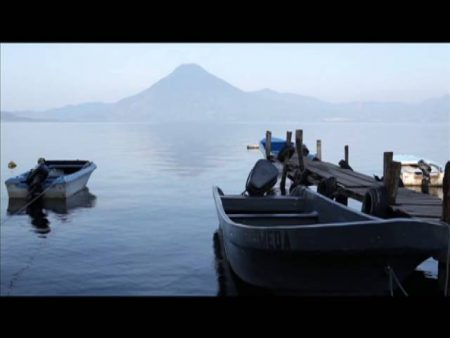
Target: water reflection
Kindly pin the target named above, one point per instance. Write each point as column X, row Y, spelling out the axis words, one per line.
column 38, row 217
column 82, row 199
column 37, row 209
column 433, row 191
column 185, row 150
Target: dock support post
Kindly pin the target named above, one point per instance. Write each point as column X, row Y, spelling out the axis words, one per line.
column 443, row 268
column 446, row 194
column 387, row 159
column 391, row 180
column 346, row 154
column 319, row 149
column 268, row 144
column 285, row 163
column 425, row 186
column 299, row 147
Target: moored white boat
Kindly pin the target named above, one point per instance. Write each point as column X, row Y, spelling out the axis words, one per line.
column 412, row 175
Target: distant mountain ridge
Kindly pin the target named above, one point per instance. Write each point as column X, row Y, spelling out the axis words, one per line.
column 5, row 116
column 190, row 93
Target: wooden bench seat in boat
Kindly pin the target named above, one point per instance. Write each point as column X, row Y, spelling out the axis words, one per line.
column 276, row 218
column 261, row 205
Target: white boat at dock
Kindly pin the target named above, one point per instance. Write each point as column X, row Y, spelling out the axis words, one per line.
column 412, row 174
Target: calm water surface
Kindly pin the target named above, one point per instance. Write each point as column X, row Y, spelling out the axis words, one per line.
column 146, row 224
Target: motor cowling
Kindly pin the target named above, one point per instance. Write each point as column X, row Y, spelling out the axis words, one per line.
column 36, row 178
column 262, row 178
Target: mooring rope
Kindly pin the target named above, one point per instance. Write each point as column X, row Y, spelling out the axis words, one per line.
column 391, row 287
column 29, row 203
column 15, row 277
column 18, row 274
column 392, row 275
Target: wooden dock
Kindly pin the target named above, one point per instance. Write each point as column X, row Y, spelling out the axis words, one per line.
column 351, row 184
column 354, row 185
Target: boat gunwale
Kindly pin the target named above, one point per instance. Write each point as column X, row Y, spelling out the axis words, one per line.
column 371, row 220
column 19, row 179
column 77, row 174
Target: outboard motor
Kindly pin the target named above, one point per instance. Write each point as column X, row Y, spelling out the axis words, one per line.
column 426, row 170
column 36, row 178
column 262, row 178
column 425, row 167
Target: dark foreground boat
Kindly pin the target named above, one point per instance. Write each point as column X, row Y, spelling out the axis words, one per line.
column 307, row 243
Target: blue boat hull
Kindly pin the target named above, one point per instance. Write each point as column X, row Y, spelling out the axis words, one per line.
column 277, row 145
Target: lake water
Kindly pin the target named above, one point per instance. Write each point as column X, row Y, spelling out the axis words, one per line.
column 146, row 225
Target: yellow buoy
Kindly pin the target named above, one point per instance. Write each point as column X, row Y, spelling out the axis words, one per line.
column 12, row 165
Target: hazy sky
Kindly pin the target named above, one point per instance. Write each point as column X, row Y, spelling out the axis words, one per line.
column 41, row 76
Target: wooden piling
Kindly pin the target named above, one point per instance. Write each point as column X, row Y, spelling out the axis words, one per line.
column 268, row 143
column 346, row 154
column 446, row 194
column 443, row 261
column 387, row 159
column 425, row 186
column 391, row 180
column 299, row 147
column 319, row 149
column 285, row 164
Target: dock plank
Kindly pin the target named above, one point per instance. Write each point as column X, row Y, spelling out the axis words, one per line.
column 346, row 177
column 354, row 184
